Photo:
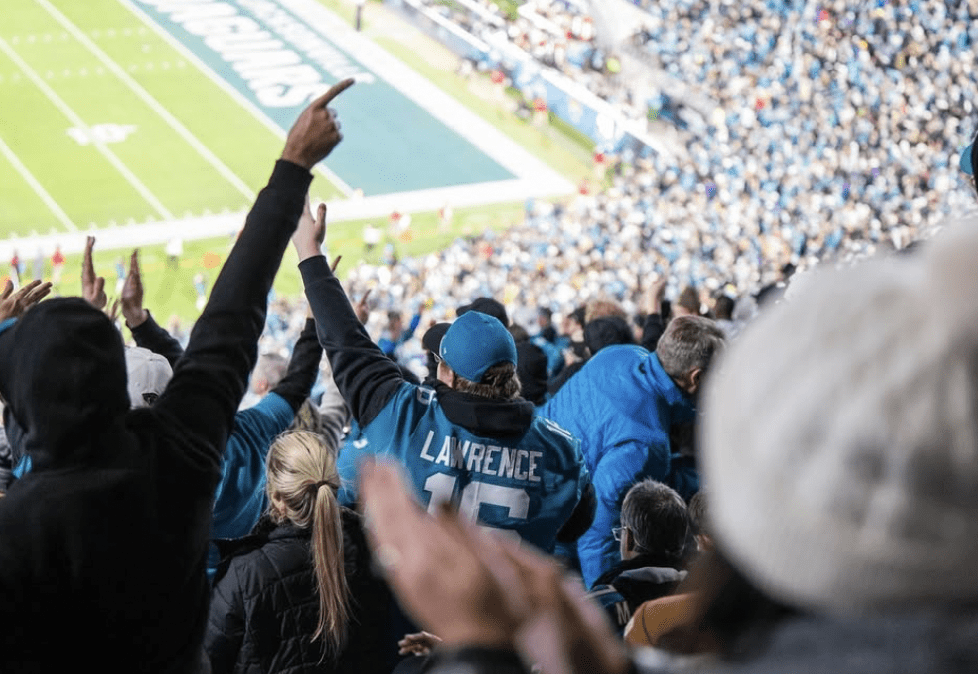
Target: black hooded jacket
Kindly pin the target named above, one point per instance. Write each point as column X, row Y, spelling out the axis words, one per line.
column 103, row 544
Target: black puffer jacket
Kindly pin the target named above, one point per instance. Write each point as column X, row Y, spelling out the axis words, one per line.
column 264, row 607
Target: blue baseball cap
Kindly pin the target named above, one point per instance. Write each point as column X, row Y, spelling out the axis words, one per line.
column 474, row 343
column 968, row 159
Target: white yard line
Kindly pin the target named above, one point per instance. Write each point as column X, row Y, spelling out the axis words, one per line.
column 228, row 224
column 37, row 187
column 227, row 88
column 148, row 99
column 77, row 121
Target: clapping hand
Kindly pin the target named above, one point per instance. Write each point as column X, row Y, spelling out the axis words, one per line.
column 475, row 590
column 132, row 294
column 14, row 304
column 93, row 287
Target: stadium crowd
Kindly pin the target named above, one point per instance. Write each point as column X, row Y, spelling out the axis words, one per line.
column 645, row 485
column 833, row 131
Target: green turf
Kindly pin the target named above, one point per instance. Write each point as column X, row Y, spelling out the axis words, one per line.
column 176, row 179
column 171, row 292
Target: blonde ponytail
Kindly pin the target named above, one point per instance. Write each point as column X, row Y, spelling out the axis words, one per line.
column 301, row 486
column 328, row 557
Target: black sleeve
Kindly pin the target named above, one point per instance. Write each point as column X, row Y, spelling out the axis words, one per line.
column 364, row 375
column 150, row 335
column 581, row 519
column 652, row 331
column 298, row 381
column 209, row 381
column 225, row 625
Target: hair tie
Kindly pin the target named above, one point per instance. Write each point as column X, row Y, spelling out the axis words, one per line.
column 314, row 488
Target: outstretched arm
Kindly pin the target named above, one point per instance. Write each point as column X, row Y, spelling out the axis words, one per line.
column 209, row 381
column 295, row 386
column 364, row 375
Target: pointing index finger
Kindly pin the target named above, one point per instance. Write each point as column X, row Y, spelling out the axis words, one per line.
column 334, row 91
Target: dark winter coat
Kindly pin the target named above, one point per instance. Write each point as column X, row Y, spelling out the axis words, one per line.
column 265, row 606
column 103, row 545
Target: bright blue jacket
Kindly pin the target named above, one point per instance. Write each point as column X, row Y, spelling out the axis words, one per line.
column 621, row 405
column 498, row 461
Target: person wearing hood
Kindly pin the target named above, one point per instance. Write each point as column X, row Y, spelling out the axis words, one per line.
column 466, row 437
column 103, row 545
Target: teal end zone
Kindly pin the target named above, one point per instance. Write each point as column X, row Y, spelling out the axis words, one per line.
column 391, row 144
column 279, row 63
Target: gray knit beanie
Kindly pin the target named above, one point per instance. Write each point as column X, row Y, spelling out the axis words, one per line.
column 840, row 439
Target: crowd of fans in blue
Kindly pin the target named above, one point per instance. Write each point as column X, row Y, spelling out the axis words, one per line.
column 651, row 481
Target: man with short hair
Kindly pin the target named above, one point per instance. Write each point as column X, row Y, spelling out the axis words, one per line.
column 654, row 528
column 466, row 437
column 622, row 405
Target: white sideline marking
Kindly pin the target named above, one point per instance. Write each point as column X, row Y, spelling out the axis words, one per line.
column 77, row 121
column 37, row 187
column 228, row 89
column 148, row 99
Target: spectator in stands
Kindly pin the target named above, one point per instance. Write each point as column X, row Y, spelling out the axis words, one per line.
column 467, row 438
column 599, row 333
column 268, row 372
column 531, row 366
column 841, row 458
column 103, row 545
column 546, row 325
column 723, row 310
column 308, row 552
column 240, row 496
column 622, row 405
column 653, row 532
column 396, row 334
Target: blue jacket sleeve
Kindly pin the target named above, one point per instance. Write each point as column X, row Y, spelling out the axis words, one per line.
column 240, row 496
column 616, row 472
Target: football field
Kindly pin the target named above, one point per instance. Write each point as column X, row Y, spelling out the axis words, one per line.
column 149, row 119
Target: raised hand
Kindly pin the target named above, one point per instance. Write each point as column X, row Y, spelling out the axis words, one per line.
column 309, row 236
column 131, row 299
column 317, row 130
column 655, row 295
column 14, row 304
column 93, row 287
